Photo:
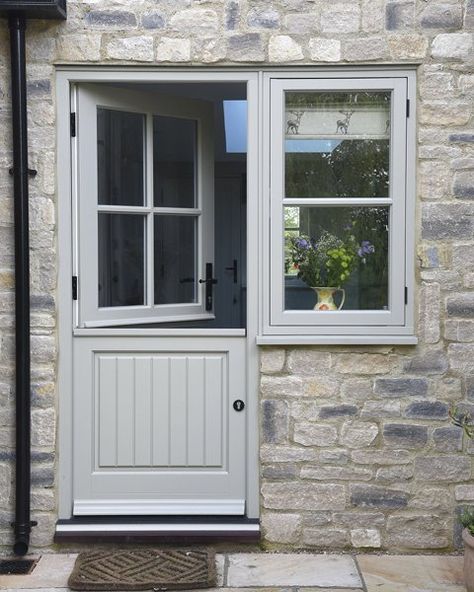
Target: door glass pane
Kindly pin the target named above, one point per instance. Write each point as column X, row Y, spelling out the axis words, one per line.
column 174, row 162
column 120, row 147
column 175, row 259
column 121, row 260
column 337, row 144
column 336, row 247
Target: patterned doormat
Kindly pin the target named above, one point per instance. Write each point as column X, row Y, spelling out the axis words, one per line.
column 148, row 569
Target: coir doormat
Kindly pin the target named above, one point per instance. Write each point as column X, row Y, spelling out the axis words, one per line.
column 150, row 569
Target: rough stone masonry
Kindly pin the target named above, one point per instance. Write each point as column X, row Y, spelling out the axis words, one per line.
column 356, row 448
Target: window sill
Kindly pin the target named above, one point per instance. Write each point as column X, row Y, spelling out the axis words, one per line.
column 336, row 340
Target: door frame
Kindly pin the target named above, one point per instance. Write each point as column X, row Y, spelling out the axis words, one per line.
column 66, row 79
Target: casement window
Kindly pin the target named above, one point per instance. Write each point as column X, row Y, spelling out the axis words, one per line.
column 340, row 210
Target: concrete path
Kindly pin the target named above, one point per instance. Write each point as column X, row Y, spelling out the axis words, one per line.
column 289, row 572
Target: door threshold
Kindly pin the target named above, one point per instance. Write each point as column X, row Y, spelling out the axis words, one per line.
column 154, row 529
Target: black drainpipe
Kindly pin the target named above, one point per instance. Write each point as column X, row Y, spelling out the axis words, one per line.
column 17, row 12
column 22, row 524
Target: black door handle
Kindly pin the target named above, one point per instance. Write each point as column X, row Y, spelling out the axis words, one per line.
column 209, row 281
column 233, row 269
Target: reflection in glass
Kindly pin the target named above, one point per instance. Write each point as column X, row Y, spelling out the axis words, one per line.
column 338, row 247
column 120, row 141
column 175, row 259
column 174, row 157
column 121, row 260
column 337, row 144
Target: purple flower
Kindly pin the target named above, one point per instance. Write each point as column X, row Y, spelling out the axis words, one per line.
column 302, row 243
column 366, row 248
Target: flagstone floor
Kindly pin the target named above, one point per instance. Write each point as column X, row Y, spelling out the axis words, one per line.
column 289, row 572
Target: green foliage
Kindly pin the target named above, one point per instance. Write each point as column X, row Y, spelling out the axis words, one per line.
column 462, row 420
column 467, row 520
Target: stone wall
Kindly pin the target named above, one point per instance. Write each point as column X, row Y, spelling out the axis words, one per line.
column 356, row 450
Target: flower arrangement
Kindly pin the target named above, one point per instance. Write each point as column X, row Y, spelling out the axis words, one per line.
column 328, row 261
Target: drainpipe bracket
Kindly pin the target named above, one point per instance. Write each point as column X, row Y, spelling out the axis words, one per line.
column 31, row 172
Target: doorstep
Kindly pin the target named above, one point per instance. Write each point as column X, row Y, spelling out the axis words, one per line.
column 151, row 529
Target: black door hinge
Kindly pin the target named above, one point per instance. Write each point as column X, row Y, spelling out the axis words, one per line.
column 73, row 125
column 408, row 107
column 74, row 287
column 406, row 295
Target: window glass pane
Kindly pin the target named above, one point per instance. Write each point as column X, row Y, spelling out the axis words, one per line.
column 120, row 141
column 174, row 157
column 175, row 259
column 339, row 248
column 337, row 144
column 121, row 260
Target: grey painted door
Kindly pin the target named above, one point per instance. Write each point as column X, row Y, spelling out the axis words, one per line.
column 154, row 426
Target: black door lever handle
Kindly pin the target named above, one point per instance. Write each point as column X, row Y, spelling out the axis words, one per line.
column 209, row 281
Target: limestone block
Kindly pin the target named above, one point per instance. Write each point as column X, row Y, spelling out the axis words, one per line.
column 79, row 47
column 366, row 537
column 334, row 456
column 418, row 532
column 308, row 362
column 313, row 434
column 434, row 177
column 365, row 49
column 195, row 21
column 445, row 113
column 274, row 421
column 272, row 360
column 362, row 363
column 301, row 23
column 457, row 46
column 358, row 434
column 43, row 427
column 464, row 493
column 373, row 16
column 336, row 411
column 326, row 538
column 274, row 453
column 463, row 255
column 5, row 484
column 408, row 46
column 401, row 387
column 429, row 323
column 380, row 409
column 324, row 50
column 463, row 186
column 138, row 49
column 281, row 386
column 304, row 410
column 173, row 50
column 429, row 362
column 448, row 439
column 394, row 474
column 232, row 15
column 459, row 330
column 43, row 349
column 461, row 357
column 432, row 498
column 282, row 48
column 427, row 410
column 441, row 16
column 373, row 496
column 303, row 496
column 266, row 18
column 340, row 18
column 281, row 528
column 405, row 435
column 280, row 471
column 320, row 386
column 247, row 47
column 119, row 19
column 399, row 15
column 443, row 468
column 153, row 20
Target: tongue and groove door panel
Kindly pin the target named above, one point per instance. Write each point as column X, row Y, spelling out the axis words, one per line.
column 156, row 430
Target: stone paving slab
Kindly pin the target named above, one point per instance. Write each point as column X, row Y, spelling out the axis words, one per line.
column 401, row 573
column 51, row 571
column 292, row 569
